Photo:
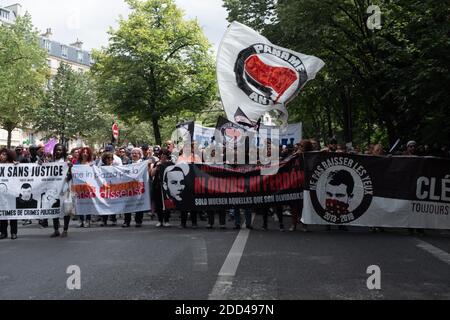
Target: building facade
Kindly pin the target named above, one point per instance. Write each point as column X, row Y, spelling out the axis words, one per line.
column 73, row 54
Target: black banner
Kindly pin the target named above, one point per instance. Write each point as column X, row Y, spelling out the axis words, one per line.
column 206, row 187
column 377, row 191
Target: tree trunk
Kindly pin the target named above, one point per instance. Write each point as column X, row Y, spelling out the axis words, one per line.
column 348, row 125
column 9, row 127
column 329, row 123
column 9, row 137
column 156, row 130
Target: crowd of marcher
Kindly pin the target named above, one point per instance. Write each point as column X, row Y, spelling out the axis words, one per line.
column 157, row 157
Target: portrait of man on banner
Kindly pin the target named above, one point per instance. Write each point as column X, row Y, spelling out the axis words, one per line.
column 174, row 184
column 339, row 192
column 25, row 199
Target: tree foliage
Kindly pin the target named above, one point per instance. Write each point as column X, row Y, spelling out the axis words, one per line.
column 156, row 65
column 378, row 84
column 23, row 73
column 70, row 108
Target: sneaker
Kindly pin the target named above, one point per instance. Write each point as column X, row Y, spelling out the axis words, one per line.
column 264, row 228
column 14, row 237
column 56, row 234
column 102, row 224
column 27, row 222
column 223, row 228
column 209, row 226
column 159, row 225
column 3, row 236
column 167, row 225
column 292, row 229
column 138, row 225
column 64, row 234
column 125, row 225
column 81, row 225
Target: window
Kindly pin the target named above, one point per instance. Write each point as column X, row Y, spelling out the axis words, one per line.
column 80, row 56
column 64, row 51
column 47, row 45
column 4, row 14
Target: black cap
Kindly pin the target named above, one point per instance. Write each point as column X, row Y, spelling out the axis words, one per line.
column 109, row 148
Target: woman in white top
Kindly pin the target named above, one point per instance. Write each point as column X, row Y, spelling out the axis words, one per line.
column 136, row 157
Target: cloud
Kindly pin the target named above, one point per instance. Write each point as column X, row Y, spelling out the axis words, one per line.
column 89, row 20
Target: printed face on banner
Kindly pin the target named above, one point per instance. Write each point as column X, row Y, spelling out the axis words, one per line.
column 50, row 199
column 25, row 199
column 174, row 181
column 341, row 190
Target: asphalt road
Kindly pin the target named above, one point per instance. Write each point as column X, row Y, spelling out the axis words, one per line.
column 174, row 264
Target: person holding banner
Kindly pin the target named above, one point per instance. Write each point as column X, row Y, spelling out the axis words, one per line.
column 157, row 174
column 297, row 208
column 108, row 160
column 136, row 157
column 7, row 157
column 174, row 181
column 85, row 159
column 60, row 155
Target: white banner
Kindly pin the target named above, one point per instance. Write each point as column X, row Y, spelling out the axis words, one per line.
column 388, row 213
column 31, row 191
column 111, row 190
column 255, row 76
column 289, row 135
column 203, row 136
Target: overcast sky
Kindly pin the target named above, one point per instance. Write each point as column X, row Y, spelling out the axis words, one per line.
column 89, row 20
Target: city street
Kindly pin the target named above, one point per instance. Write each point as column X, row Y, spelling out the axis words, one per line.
column 174, row 264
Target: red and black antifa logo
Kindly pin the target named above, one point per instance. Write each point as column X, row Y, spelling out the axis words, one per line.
column 269, row 75
column 232, row 133
column 341, row 190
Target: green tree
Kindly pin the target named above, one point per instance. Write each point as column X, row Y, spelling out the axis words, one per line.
column 378, row 84
column 23, row 73
column 70, row 108
column 156, row 65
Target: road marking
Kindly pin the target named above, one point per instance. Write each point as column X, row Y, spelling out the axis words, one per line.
column 200, row 253
column 225, row 280
column 438, row 253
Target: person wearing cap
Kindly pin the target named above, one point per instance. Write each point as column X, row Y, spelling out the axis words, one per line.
column 19, row 156
column 411, row 148
column 117, row 161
